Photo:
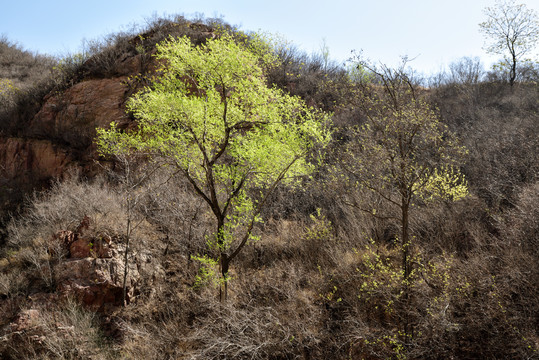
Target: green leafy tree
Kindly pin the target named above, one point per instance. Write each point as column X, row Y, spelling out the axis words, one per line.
column 212, row 116
column 513, row 30
column 402, row 153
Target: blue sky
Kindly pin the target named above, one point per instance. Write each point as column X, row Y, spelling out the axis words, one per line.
column 434, row 32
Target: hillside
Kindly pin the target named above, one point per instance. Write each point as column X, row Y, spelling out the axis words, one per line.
column 327, row 278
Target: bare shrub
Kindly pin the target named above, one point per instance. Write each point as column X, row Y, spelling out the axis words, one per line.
column 505, row 152
column 456, row 228
column 177, row 213
column 310, row 242
column 522, row 224
column 273, row 315
column 63, row 207
column 12, row 283
column 467, row 70
column 65, row 331
column 485, row 307
column 315, row 78
column 23, row 68
column 23, row 77
column 250, row 333
column 218, row 332
column 498, row 127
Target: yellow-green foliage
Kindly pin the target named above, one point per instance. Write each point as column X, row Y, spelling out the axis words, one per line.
column 211, row 115
column 382, row 280
column 7, row 87
column 321, row 229
column 445, row 183
column 208, row 273
column 213, row 98
column 211, row 109
column 405, row 151
column 7, row 91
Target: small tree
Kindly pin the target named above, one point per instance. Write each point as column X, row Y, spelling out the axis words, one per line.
column 513, row 30
column 211, row 115
column 402, row 153
column 131, row 174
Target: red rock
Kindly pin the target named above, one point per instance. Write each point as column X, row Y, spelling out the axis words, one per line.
column 102, row 247
column 26, row 319
column 96, row 282
column 66, row 237
column 84, row 225
column 73, row 115
column 80, row 248
column 40, row 159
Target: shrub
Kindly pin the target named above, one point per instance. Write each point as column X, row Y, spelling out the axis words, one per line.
column 62, row 331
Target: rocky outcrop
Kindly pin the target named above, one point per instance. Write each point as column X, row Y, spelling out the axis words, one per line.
column 60, row 137
column 89, row 277
column 94, row 269
column 62, row 133
column 31, row 159
column 25, row 320
column 72, row 117
column 95, row 282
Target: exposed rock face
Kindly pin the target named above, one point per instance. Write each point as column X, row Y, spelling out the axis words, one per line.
column 94, row 270
column 25, row 320
column 62, row 133
column 95, row 282
column 72, row 116
column 29, row 158
column 60, row 137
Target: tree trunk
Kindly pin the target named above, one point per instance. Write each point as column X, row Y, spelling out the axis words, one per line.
column 223, row 289
column 513, row 72
column 224, row 261
column 405, row 240
column 406, row 266
column 126, row 254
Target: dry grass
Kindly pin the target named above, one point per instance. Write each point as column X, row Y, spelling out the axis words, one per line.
column 61, row 331
column 303, row 291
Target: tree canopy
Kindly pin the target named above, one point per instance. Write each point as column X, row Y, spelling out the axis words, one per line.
column 211, row 114
column 403, row 153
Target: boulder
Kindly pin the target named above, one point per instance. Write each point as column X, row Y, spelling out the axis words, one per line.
column 94, row 270
column 97, row 283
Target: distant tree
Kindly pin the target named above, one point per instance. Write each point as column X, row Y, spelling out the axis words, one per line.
column 513, row 30
column 212, row 116
column 324, row 53
column 403, row 153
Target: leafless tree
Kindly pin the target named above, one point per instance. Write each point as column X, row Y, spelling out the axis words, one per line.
column 513, row 30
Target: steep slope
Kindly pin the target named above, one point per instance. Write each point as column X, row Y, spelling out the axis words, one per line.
column 49, row 130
